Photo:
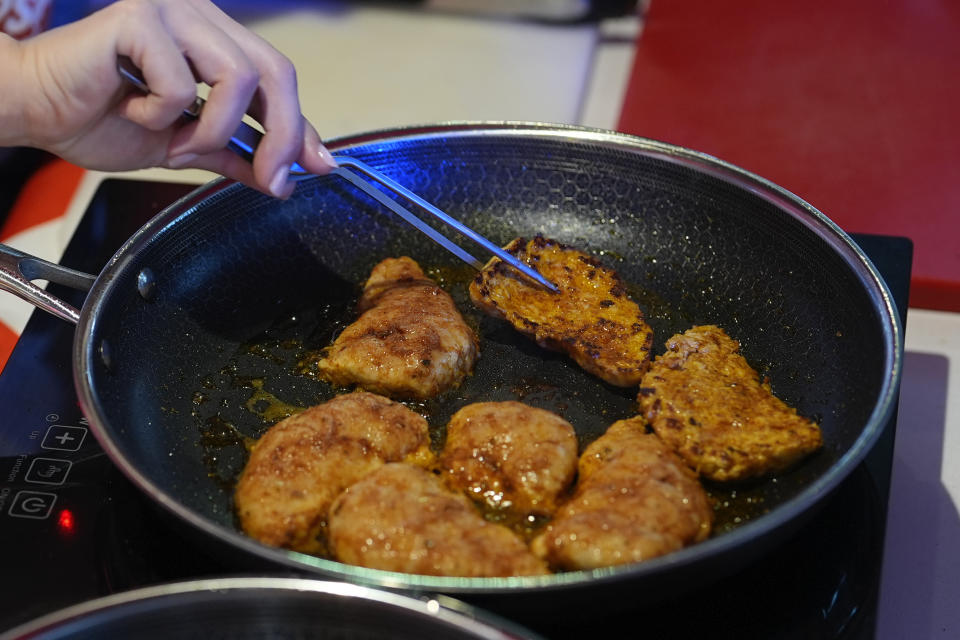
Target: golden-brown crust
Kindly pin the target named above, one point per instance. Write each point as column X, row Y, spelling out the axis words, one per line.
column 410, row 340
column 635, row 500
column 704, row 400
column 302, row 463
column 591, row 318
column 403, row 518
column 510, row 456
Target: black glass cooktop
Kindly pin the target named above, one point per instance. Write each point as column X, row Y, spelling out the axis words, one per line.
column 72, row 528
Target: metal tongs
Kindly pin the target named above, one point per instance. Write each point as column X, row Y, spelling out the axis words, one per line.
column 246, row 138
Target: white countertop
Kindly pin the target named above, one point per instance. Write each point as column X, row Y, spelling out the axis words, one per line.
column 920, row 588
column 367, row 67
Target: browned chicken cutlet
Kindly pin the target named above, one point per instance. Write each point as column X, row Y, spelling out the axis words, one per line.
column 635, row 500
column 510, row 456
column 591, row 318
column 410, row 340
column 403, row 518
column 705, row 401
column 302, row 463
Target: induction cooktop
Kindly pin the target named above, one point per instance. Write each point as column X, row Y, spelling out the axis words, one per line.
column 72, row 528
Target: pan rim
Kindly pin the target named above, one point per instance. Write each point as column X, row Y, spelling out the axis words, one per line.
column 85, row 356
column 133, row 602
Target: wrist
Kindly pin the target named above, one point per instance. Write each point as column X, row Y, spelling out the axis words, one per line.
column 13, row 120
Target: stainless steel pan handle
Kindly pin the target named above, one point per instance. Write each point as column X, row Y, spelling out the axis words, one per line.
column 19, row 269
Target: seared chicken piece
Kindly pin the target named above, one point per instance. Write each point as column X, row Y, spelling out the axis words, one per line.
column 410, row 340
column 635, row 500
column 705, row 401
column 590, row 318
column 302, row 463
column 510, row 456
column 403, row 518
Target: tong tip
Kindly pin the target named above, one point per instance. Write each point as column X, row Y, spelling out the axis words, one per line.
column 532, row 273
column 546, row 283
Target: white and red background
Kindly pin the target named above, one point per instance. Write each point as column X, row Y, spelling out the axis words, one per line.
column 850, row 104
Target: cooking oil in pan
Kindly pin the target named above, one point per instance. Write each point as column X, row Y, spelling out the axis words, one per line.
column 216, row 436
column 266, row 405
column 256, row 389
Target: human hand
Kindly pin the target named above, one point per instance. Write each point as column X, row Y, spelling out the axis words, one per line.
column 76, row 106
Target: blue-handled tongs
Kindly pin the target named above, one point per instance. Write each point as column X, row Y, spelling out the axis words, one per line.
column 246, row 138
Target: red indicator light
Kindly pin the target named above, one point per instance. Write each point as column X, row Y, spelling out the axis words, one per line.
column 65, row 522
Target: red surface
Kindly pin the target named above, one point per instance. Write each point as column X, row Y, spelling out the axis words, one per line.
column 853, row 105
column 44, row 197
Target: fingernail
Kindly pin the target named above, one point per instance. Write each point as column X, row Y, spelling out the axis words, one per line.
column 279, row 183
column 182, row 160
column 327, row 157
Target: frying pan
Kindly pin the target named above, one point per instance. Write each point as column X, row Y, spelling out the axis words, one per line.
column 268, row 608
column 198, row 332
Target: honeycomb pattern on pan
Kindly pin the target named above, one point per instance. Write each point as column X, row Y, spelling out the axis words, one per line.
column 694, row 248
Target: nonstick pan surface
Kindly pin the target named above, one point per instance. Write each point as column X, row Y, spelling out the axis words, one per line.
column 197, row 335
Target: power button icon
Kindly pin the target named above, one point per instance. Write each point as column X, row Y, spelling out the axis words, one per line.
column 32, row 504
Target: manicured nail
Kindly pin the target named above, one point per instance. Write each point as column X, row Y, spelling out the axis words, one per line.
column 327, row 157
column 278, row 186
column 178, row 162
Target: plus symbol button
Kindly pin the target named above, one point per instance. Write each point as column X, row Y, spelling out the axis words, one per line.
column 63, row 438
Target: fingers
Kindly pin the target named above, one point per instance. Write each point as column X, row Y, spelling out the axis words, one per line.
column 229, row 164
column 165, row 70
column 277, row 108
column 314, row 156
column 218, row 61
column 177, row 42
column 288, row 137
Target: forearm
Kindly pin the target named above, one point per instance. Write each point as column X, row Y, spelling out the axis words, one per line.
column 12, row 94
